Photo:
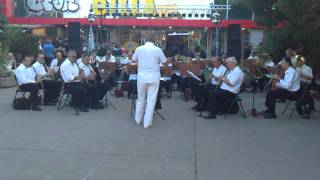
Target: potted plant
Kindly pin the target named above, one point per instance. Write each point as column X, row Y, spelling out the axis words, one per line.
column 7, row 78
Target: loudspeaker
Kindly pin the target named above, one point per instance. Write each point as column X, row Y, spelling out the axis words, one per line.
column 76, row 47
column 74, row 42
column 73, row 32
column 234, row 41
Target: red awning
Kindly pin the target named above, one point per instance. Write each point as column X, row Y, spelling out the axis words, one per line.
column 136, row 22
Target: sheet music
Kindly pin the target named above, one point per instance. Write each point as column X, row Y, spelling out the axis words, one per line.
column 194, row 76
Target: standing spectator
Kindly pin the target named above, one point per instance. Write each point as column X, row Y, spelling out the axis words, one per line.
column 48, row 50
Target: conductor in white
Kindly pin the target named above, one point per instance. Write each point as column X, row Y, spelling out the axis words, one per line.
column 149, row 58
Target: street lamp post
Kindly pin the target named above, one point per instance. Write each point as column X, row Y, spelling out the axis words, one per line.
column 215, row 20
column 91, row 19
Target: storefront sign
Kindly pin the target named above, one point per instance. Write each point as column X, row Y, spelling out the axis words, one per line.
column 53, row 5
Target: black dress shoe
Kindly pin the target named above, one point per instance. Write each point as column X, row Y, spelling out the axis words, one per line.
column 82, row 109
column 49, row 104
column 36, row 108
column 270, row 116
column 211, row 116
column 98, row 106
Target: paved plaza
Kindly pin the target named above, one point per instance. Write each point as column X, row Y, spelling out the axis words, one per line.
column 108, row 145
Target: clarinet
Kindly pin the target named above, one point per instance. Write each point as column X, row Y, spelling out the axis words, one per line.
column 220, row 81
column 38, row 77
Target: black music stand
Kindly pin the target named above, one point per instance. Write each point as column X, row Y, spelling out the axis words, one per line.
column 158, row 106
column 253, row 110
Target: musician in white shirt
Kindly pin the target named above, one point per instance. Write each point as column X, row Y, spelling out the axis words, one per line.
column 55, row 64
column 94, row 59
column 51, row 87
column 132, row 79
column 165, row 81
column 72, row 78
column 108, row 57
column 202, row 91
column 26, row 78
column 220, row 99
column 286, row 88
column 306, row 76
column 96, row 89
column 149, row 58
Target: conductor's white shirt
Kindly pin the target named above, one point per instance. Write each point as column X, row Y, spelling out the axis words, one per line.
column 218, row 72
column 25, row 75
column 149, row 58
column 235, row 77
column 69, row 70
column 291, row 80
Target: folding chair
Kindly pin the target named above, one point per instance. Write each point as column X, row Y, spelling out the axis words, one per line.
column 238, row 100
column 23, row 93
column 287, row 107
column 65, row 98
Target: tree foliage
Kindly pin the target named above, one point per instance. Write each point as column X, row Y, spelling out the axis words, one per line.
column 301, row 26
column 18, row 41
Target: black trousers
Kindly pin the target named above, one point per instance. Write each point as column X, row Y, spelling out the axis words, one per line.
column 202, row 93
column 102, row 89
column 52, row 89
column 189, row 82
column 177, row 79
column 279, row 93
column 79, row 92
column 167, row 85
column 220, row 100
column 33, row 88
column 132, row 87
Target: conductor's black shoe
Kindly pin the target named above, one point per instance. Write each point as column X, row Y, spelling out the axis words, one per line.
column 36, row 108
column 270, row 116
column 82, row 109
column 211, row 116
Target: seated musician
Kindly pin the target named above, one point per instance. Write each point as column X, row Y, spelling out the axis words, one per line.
column 26, row 78
column 287, row 88
column 220, row 99
column 97, row 90
column 202, row 91
column 51, row 87
column 176, row 77
column 268, row 64
column 108, row 57
column 132, row 85
column 72, row 78
column 188, row 83
column 258, row 73
column 94, row 59
column 56, row 63
column 165, row 80
column 79, row 60
column 306, row 76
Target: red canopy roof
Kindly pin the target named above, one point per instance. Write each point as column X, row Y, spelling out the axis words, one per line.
column 135, row 22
